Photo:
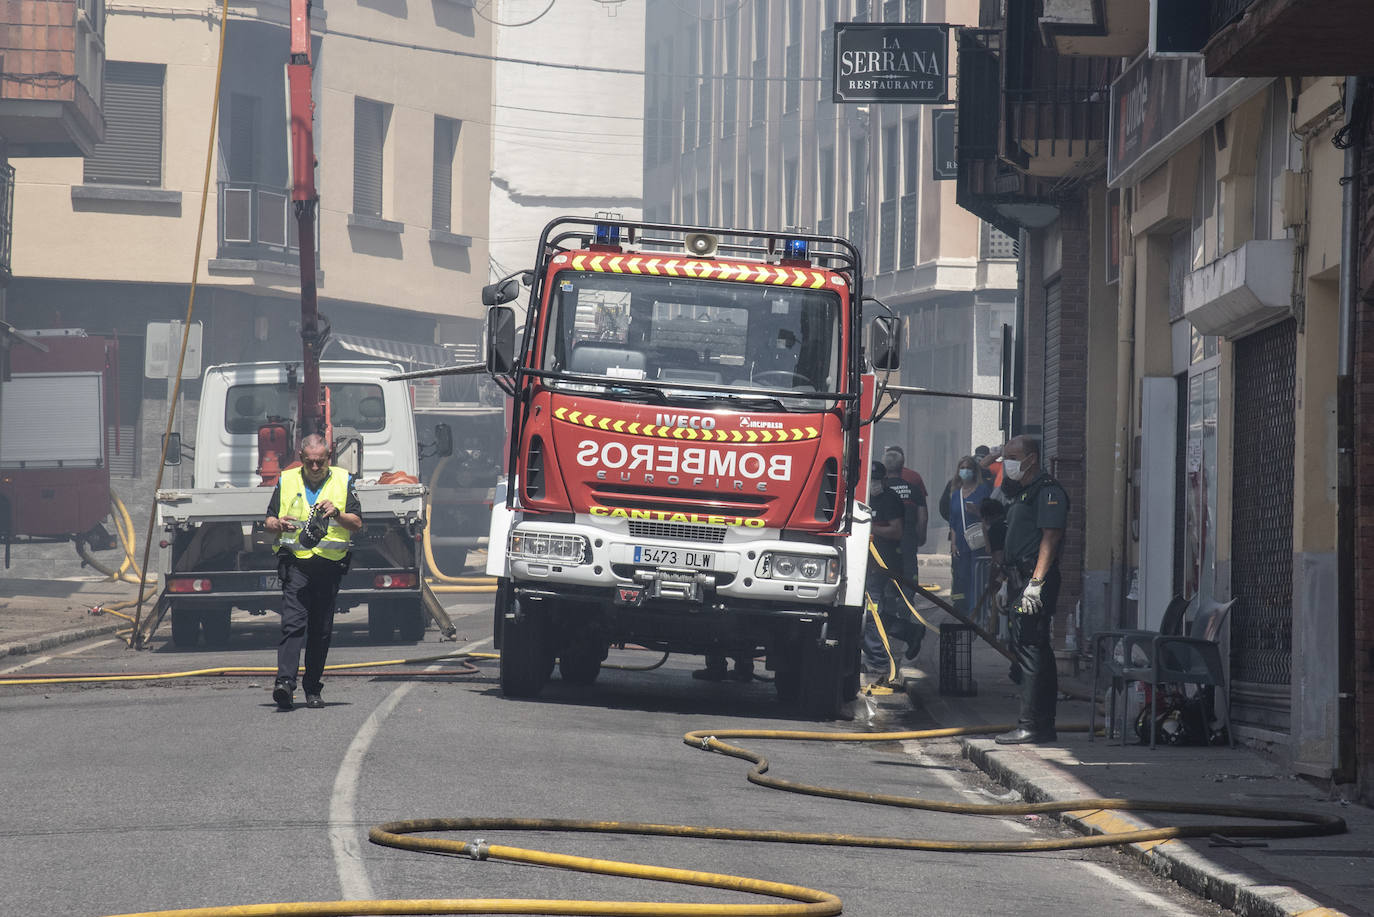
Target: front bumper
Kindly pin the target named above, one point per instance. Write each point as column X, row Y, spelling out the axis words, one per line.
column 692, row 570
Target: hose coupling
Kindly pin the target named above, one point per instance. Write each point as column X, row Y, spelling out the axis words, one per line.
column 478, row 849
column 706, row 742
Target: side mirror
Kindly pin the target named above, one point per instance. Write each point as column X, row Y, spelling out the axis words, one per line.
column 885, row 342
column 500, row 339
column 348, row 452
column 443, row 439
column 496, row 294
column 171, row 447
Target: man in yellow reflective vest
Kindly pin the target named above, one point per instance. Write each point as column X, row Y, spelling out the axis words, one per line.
column 314, row 511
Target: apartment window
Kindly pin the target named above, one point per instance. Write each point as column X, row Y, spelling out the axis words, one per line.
column 131, row 153
column 892, row 162
column 705, row 87
column 756, row 191
column 826, row 184
column 729, row 106
column 242, row 138
column 915, row 11
column 892, row 10
column 760, row 29
column 1205, row 206
column 789, row 193
column 369, row 141
column 727, row 202
column 1273, row 159
column 860, row 10
column 446, row 132
column 858, row 172
column 911, row 155
column 704, row 208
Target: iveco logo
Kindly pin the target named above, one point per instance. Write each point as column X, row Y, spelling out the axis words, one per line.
column 685, row 420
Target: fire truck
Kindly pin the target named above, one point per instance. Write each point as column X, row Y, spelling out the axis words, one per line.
column 688, row 453
column 58, row 417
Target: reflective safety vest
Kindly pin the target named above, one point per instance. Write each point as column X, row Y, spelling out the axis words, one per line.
column 295, row 506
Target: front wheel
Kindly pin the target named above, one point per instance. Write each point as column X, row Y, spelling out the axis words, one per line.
column 524, row 662
column 823, row 679
column 579, row 665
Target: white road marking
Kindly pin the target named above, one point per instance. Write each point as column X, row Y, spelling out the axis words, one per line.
column 1160, row 904
column 345, row 839
column 39, row 660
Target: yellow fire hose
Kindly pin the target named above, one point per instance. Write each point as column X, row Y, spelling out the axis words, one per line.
column 803, row 900
column 439, row 580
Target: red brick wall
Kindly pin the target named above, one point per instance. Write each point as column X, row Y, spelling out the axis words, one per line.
column 1363, row 649
column 38, row 37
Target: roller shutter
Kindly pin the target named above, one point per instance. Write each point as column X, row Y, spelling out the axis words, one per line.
column 131, row 153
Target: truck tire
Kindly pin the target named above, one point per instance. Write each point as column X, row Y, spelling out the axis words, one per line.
column 579, row 664
column 410, row 618
column 823, row 678
column 524, row 659
column 216, row 627
column 185, row 628
column 381, row 623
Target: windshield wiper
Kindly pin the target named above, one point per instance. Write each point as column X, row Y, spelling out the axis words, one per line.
column 763, row 401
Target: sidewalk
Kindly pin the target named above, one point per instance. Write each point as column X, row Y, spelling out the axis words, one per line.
column 37, row 615
column 1310, row 876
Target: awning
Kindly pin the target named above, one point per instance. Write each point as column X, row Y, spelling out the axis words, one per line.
column 400, row 351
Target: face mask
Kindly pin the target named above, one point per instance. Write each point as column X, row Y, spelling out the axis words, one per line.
column 966, row 474
column 1011, row 468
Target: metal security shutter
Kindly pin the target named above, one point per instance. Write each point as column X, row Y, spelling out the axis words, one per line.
column 131, row 153
column 1262, row 528
column 121, row 456
column 445, row 140
column 1053, row 312
column 51, row 420
column 368, row 136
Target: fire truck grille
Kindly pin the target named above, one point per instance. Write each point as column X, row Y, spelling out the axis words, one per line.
column 714, row 534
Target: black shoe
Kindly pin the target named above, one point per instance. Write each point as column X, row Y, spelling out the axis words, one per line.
column 711, row 674
column 282, row 695
column 912, row 650
column 314, row 701
column 1023, row 736
column 742, row 674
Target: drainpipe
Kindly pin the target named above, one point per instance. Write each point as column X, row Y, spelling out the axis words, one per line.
column 1346, row 507
column 1125, row 383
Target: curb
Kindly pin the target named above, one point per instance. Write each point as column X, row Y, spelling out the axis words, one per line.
column 1038, row 781
column 49, row 641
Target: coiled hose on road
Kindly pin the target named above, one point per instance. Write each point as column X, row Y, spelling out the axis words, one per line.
column 800, row 899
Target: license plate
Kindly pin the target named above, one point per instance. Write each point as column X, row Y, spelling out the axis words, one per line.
column 270, row 581
column 674, row 557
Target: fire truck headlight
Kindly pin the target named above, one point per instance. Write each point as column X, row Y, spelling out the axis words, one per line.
column 805, row 568
column 549, row 548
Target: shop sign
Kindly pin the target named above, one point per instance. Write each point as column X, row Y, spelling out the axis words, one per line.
column 945, row 162
column 890, row 62
column 1150, row 100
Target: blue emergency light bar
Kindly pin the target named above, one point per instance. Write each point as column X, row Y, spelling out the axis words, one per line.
column 795, row 250
column 607, row 235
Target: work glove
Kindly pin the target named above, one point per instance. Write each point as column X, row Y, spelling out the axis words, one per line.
column 1031, row 603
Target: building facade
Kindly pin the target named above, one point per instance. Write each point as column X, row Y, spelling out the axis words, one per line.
column 741, row 131
column 110, row 238
column 1180, row 217
column 577, row 155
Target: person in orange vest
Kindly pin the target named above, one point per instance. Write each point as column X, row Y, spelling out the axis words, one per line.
column 314, row 512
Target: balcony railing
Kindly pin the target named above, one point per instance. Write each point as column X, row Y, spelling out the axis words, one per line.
column 887, row 236
column 911, row 216
column 257, row 221
column 1065, row 113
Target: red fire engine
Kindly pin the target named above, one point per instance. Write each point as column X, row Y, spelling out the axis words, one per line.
column 688, row 453
column 57, row 414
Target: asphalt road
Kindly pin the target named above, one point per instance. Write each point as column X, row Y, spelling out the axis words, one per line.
column 142, row 795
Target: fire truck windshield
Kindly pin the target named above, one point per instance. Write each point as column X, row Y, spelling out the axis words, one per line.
column 698, row 332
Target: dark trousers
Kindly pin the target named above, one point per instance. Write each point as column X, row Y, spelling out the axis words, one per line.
column 1032, row 645
column 309, row 588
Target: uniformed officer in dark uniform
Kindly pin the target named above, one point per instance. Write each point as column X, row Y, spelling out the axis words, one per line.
column 1036, row 519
